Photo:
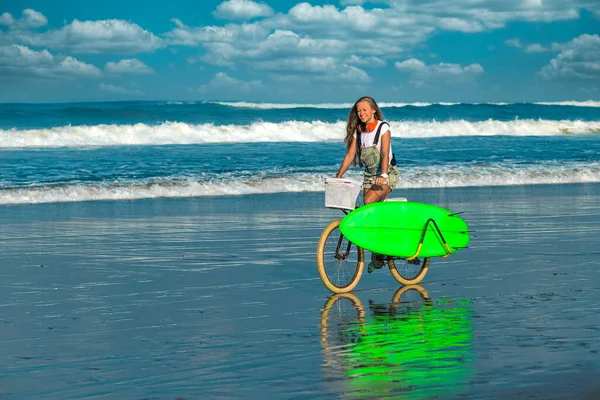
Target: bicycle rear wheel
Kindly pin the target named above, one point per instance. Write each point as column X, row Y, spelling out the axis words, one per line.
column 340, row 262
column 409, row 272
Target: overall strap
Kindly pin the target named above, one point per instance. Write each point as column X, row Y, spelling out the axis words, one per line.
column 376, row 140
column 358, row 145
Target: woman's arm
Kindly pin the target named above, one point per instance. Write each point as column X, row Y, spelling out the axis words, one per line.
column 348, row 158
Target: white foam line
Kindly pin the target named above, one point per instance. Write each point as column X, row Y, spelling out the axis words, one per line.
column 415, row 177
column 289, row 131
column 267, row 106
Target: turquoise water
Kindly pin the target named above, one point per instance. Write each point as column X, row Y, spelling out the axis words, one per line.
column 130, row 150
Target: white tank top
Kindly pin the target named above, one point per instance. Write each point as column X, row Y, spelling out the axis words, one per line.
column 367, row 138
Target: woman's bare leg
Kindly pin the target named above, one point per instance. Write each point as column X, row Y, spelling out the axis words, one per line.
column 372, row 195
column 376, row 193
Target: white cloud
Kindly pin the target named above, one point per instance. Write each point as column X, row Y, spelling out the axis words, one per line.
column 34, row 19
column 110, row 88
column 421, row 73
column 467, row 15
column 411, row 65
column 299, row 64
column 242, row 10
column 208, row 35
column 354, row 17
column 21, row 61
column 366, row 61
column 16, row 55
column 235, row 44
column 128, row 66
column 516, row 42
column 70, row 65
column 104, row 36
column 536, row 48
column 223, row 84
column 30, row 19
column 459, row 24
column 578, row 60
column 6, row 19
column 354, row 74
column 532, row 47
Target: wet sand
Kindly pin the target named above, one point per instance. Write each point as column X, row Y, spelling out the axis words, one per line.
column 220, row 298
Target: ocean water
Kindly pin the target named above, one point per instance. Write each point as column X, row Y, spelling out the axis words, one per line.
column 133, row 150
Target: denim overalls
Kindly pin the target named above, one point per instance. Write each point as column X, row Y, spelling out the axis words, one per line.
column 371, row 158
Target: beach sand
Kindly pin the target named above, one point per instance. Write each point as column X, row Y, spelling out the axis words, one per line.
column 220, row 298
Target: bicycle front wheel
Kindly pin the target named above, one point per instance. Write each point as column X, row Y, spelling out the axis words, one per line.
column 340, row 262
column 409, row 272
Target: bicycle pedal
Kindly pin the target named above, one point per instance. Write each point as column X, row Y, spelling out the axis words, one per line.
column 372, row 267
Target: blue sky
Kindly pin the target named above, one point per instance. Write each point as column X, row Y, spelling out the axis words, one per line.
column 296, row 52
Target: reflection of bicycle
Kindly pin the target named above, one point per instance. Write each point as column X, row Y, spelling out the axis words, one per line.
column 341, row 263
column 414, row 345
column 350, row 315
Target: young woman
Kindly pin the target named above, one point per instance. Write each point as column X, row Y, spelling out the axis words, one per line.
column 368, row 142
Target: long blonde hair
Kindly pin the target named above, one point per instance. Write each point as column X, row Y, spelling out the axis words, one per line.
column 352, row 123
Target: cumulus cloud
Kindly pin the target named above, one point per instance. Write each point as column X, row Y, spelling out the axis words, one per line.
column 128, row 66
column 351, row 33
column 73, row 66
column 516, row 42
column 34, row 19
column 532, row 47
column 21, row 61
column 536, row 48
column 351, row 16
column 354, row 74
column 242, row 10
column 299, row 64
column 110, row 88
column 466, row 15
column 224, row 84
column 578, row 60
column 329, row 41
column 253, row 44
column 208, row 35
column 6, row 19
column 414, row 65
column 103, row 36
column 30, row 19
column 460, row 25
column 369, row 61
column 422, row 73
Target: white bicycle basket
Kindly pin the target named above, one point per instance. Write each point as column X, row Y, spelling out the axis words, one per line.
column 341, row 193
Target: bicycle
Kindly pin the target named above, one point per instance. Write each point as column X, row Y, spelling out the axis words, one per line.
column 341, row 263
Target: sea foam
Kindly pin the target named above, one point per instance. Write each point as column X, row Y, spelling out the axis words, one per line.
column 290, row 131
column 445, row 176
column 383, row 104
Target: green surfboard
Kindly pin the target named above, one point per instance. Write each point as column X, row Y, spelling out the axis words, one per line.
column 396, row 228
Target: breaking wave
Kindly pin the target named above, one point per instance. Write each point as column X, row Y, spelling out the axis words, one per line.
column 268, row 106
column 416, row 177
column 289, row 131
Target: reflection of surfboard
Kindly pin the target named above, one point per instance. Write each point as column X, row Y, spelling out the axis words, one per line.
column 396, row 228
